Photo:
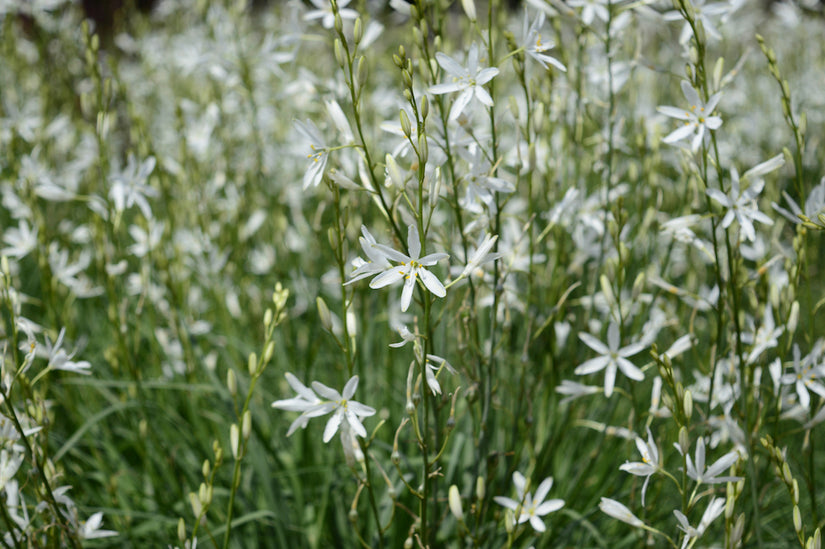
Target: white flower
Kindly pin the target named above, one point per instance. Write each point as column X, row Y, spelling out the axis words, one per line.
column 590, row 9
column 318, row 157
column 741, row 205
column 696, row 470
column 91, row 528
column 324, row 12
column 432, row 370
column 526, row 507
column 59, row 359
column 343, row 407
column 376, row 261
column 701, row 13
column 649, row 463
column 814, row 207
column 129, row 187
column 804, row 377
column 412, row 266
column 21, row 240
column 469, row 81
column 765, row 337
column 534, row 46
column 305, row 401
column 697, row 117
column 715, row 508
column 612, row 358
column 345, row 410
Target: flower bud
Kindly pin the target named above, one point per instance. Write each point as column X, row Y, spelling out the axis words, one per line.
column 353, row 516
column 470, row 9
column 455, row 503
column 234, row 440
column 323, row 313
column 206, row 468
column 195, row 503
column 268, row 352
column 423, row 149
column 246, row 425
column 231, row 382
column 797, row 519
column 793, row 317
column 688, row 403
column 252, row 363
column 361, row 72
column 181, row 530
column 339, row 53
column 357, row 32
column 405, row 124
column 480, row 488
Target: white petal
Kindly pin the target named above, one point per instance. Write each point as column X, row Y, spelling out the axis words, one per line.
column 432, row 283
column 388, row 277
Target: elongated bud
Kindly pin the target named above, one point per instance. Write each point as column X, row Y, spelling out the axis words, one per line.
column 195, row 503
column 252, row 365
column 246, row 425
column 181, row 530
column 793, row 317
column 481, row 488
column 509, row 521
column 684, row 439
column 470, row 9
column 267, row 317
column 203, row 494
column 231, row 382
column 455, row 503
column 357, row 32
column 268, row 352
column 206, row 468
column 405, row 124
column 423, row 150
column 607, row 290
column 323, row 313
column 797, row 519
column 425, row 108
column 235, row 440
column 688, row 403
column 361, row 72
column 638, row 286
column 339, row 53
column 738, row 530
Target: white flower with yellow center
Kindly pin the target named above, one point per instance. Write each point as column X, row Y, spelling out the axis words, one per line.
column 698, row 117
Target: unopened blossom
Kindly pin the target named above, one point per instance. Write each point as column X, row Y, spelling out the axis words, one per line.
column 468, row 80
column 619, row 511
column 698, row 117
column 715, row 508
column 530, row 508
column 805, row 377
column 535, row 44
column 612, row 358
column 649, row 464
column 412, row 267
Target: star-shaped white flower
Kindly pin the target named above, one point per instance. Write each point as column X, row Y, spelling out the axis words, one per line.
column 535, row 45
column 412, row 267
column 612, row 358
column 323, row 11
column 696, row 470
column 741, row 205
column 697, row 117
column 527, row 507
column 804, row 377
column 717, row 505
column 318, row 157
column 469, row 81
column 649, row 463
